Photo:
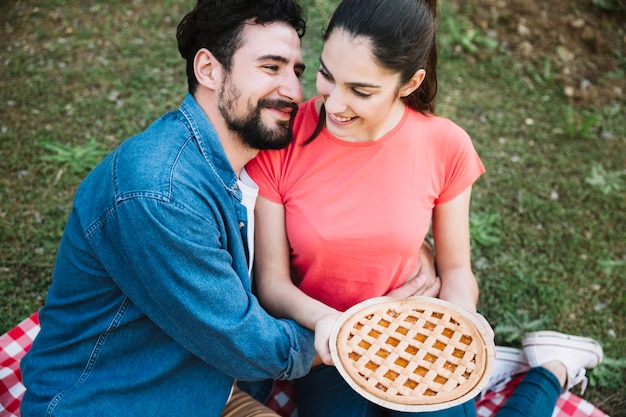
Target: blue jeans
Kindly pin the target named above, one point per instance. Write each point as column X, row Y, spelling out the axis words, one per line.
column 536, row 395
column 323, row 392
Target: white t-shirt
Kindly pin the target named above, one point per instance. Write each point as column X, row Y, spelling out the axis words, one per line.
column 249, row 191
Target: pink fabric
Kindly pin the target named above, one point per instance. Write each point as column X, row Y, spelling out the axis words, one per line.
column 16, row 342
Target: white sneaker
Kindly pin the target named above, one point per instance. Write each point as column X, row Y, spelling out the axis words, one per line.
column 575, row 352
column 509, row 362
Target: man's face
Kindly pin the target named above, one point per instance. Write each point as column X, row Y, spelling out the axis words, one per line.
column 259, row 96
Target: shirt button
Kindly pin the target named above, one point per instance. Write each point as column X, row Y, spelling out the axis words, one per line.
column 241, row 225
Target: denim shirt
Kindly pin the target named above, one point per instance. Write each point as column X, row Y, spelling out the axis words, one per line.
column 150, row 311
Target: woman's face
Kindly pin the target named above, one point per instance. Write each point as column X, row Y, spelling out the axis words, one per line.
column 362, row 99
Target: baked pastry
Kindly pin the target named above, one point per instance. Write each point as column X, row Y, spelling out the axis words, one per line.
column 412, row 354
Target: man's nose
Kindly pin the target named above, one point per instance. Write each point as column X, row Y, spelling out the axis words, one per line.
column 291, row 89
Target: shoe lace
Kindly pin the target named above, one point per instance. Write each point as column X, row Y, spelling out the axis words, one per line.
column 576, row 377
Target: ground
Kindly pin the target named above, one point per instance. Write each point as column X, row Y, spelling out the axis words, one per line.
column 583, row 41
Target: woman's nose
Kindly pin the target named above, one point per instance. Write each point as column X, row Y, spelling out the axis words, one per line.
column 334, row 101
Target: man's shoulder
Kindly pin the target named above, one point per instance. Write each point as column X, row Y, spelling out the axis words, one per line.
column 146, row 157
column 144, row 163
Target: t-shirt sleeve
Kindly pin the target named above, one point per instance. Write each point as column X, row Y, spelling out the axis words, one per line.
column 264, row 170
column 462, row 164
column 272, row 170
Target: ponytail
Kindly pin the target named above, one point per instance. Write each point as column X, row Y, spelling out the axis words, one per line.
column 423, row 99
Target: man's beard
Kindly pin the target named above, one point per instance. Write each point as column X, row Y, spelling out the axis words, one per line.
column 250, row 128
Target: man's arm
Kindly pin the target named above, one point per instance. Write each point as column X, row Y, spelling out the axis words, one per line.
column 194, row 289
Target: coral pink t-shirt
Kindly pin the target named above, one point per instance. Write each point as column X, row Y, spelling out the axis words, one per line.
column 358, row 212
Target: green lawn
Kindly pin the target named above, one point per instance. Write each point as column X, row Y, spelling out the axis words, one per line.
column 548, row 222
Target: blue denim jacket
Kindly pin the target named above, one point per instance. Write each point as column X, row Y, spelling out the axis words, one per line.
column 150, row 311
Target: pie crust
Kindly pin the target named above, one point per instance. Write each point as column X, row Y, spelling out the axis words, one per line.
column 412, row 354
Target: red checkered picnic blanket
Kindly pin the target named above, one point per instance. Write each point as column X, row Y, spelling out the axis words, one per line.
column 16, row 342
column 13, row 345
column 568, row 405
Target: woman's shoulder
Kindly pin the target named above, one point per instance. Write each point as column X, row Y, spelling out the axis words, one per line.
column 306, row 119
column 310, row 109
column 434, row 124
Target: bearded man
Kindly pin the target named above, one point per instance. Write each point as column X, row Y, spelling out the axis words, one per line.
column 150, row 311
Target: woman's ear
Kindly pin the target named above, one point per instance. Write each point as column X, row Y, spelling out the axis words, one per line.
column 413, row 84
column 207, row 69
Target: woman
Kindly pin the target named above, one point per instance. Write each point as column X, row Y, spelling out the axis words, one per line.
column 344, row 210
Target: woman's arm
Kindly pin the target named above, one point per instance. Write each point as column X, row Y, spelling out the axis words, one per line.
column 277, row 293
column 452, row 246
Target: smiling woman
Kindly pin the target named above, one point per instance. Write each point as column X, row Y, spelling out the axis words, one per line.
column 331, row 225
column 343, row 211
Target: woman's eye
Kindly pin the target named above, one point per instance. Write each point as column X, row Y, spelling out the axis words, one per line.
column 323, row 73
column 361, row 94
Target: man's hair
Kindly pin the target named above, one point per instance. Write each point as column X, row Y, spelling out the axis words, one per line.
column 217, row 25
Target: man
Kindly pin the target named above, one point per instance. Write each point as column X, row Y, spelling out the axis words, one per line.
column 150, row 311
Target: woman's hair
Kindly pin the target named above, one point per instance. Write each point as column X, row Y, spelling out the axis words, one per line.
column 403, row 38
column 217, row 25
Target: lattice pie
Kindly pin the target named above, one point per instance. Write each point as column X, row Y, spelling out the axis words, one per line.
column 414, row 354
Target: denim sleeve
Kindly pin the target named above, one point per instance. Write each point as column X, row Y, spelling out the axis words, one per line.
column 175, row 266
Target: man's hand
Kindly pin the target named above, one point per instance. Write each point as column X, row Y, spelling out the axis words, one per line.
column 322, row 336
column 423, row 280
column 420, row 285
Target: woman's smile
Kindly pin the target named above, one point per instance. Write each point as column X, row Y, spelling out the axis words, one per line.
column 342, row 120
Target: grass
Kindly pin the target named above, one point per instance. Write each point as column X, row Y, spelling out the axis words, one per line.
column 548, row 221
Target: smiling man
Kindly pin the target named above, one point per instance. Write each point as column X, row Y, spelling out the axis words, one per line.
column 150, row 311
